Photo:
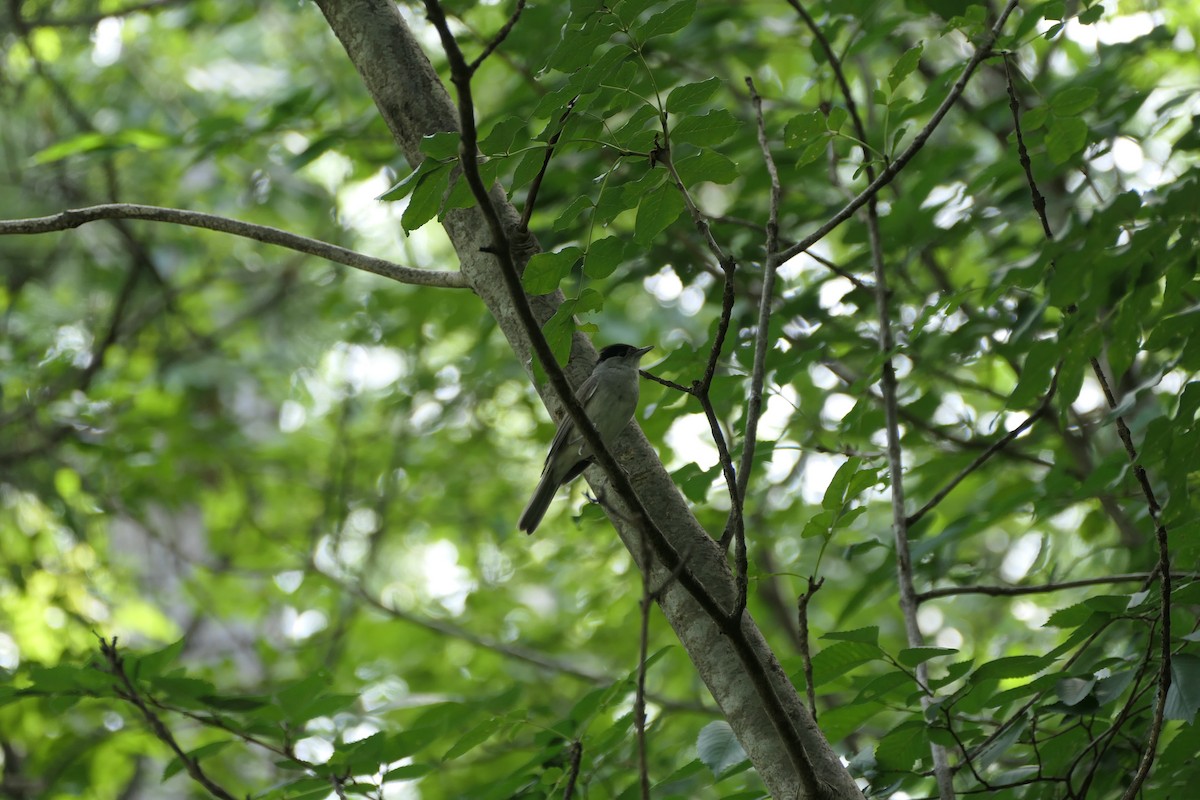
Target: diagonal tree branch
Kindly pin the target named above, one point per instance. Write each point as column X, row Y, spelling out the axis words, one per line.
column 73, row 218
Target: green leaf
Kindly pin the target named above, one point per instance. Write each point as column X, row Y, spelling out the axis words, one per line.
column 672, row 19
column 656, row 211
column 718, row 748
column 837, row 118
column 1066, row 137
column 804, row 128
column 707, row 165
column 1073, row 101
column 707, row 131
column 589, row 300
column 128, row 139
column 500, row 138
column 1035, row 374
column 473, row 738
column 839, row 659
column 1001, row 744
column 835, row 493
column 427, row 196
column 1183, row 696
column 868, row 635
column 603, row 257
column 1034, row 118
column 152, row 665
column 442, row 146
column 905, row 66
column 900, row 748
column 689, row 95
column 1091, row 15
column 1011, row 667
column 408, row 772
column 574, row 209
column 1072, row 690
column 545, row 271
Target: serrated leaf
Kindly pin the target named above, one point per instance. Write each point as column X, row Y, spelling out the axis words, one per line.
column 900, row 748
column 691, row 95
column 1066, row 137
column 1072, row 690
column 1091, row 15
column 1010, row 667
column 407, row 773
column 707, row 131
column 1000, row 745
column 912, row 656
column 838, row 659
column 656, row 211
column 883, row 685
column 905, row 66
column 870, row 635
column 545, row 270
column 718, row 748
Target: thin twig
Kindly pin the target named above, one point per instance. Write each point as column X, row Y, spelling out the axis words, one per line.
column 891, row 170
column 805, row 656
column 889, row 392
column 1039, row 202
column 499, row 38
column 980, row 459
column 128, row 692
column 1164, row 575
column 575, row 759
column 73, row 218
column 1042, row 588
column 1163, row 568
column 762, row 344
column 536, row 185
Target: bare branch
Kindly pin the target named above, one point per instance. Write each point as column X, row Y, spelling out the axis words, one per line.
column 1043, row 588
column 73, row 218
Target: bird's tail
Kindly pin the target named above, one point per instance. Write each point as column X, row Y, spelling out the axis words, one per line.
column 536, row 508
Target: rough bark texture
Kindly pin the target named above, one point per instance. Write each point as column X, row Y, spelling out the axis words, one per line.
column 414, row 103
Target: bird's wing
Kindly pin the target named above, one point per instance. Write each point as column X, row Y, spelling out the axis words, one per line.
column 566, row 435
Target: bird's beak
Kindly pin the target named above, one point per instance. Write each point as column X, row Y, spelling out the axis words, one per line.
column 641, row 351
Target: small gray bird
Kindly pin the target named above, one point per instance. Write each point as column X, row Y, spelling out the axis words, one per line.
column 609, row 396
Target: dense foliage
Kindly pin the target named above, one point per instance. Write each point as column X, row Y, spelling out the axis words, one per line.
column 288, row 489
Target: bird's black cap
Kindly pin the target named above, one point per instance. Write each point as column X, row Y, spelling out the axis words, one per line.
column 622, row 351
